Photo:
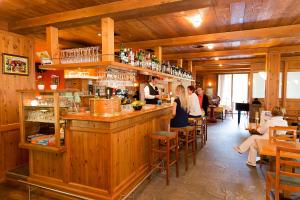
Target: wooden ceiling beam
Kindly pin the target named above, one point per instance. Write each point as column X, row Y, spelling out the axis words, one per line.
column 230, row 62
column 253, row 34
column 242, row 71
column 234, row 67
column 102, row 10
column 254, row 52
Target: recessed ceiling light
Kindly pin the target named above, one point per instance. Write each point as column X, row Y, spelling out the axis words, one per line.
column 220, row 65
column 210, row 46
column 216, row 58
column 196, row 20
column 99, row 34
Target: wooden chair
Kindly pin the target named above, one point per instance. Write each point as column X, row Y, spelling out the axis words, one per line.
column 220, row 112
column 200, row 124
column 171, row 140
column 283, row 179
column 187, row 135
column 289, row 135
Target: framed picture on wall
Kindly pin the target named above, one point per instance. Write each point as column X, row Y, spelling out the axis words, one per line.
column 15, row 65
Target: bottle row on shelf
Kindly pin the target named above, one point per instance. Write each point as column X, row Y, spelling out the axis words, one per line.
column 146, row 59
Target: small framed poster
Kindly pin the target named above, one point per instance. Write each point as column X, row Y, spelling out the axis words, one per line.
column 15, row 65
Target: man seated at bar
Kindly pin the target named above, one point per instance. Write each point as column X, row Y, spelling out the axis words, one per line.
column 263, row 133
column 193, row 103
column 180, row 107
column 203, row 99
column 151, row 91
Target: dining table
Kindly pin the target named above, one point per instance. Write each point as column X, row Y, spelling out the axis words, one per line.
column 267, row 147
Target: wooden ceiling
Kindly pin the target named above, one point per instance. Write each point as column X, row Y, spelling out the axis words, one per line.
column 169, row 21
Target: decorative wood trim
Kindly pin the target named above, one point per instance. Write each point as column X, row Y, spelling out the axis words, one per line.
column 9, row 127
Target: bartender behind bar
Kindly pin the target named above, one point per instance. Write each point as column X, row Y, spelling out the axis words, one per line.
column 151, row 91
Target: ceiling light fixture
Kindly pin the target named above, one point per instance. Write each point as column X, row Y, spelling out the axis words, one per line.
column 220, row 65
column 216, row 58
column 210, row 46
column 196, row 20
column 99, row 34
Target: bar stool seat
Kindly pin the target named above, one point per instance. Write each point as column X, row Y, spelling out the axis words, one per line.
column 188, row 136
column 171, row 144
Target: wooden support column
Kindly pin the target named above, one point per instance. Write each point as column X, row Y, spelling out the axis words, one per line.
column 52, row 43
column 190, row 66
column 179, row 63
column 107, row 30
column 284, row 82
column 250, row 84
column 272, row 83
column 158, row 53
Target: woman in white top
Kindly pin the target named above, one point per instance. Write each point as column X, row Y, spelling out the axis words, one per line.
column 249, row 143
column 193, row 103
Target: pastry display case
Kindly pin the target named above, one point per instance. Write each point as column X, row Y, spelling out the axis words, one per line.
column 41, row 123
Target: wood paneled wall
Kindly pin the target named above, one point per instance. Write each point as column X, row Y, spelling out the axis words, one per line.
column 205, row 80
column 10, row 155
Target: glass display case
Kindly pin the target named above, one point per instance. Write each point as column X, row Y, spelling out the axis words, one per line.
column 41, row 124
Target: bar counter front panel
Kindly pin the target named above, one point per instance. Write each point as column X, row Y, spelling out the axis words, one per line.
column 105, row 156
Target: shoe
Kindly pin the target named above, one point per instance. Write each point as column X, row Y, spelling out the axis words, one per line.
column 250, row 164
column 237, row 149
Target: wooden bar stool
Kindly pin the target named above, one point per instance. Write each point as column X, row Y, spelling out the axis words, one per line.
column 199, row 123
column 171, row 143
column 204, row 128
column 188, row 136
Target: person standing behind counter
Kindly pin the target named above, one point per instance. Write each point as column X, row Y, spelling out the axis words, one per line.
column 151, row 91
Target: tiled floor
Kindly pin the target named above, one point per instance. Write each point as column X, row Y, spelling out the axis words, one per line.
column 220, row 173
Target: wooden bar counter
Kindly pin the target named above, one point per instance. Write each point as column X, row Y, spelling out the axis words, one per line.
column 105, row 156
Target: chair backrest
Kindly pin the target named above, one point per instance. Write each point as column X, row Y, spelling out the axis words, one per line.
column 286, row 133
column 283, row 168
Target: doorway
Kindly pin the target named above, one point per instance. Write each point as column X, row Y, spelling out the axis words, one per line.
column 232, row 88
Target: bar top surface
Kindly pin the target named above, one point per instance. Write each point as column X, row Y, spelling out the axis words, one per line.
column 117, row 116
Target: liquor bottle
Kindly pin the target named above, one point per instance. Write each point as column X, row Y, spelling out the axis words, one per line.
column 131, row 57
column 122, row 53
column 126, row 56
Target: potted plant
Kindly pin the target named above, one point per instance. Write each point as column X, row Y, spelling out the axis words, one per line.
column 40, row 85
column 54, row 82
column 137, row 105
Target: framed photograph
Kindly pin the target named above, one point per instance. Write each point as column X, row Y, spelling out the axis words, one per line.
column 15, row 65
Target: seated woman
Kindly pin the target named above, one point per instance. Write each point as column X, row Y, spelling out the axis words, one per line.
column 180, row 114
column 193, row 103
column 249, row 143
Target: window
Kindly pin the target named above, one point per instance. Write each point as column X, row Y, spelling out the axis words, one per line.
column 240, row 88
column 224, row 89
column 258, row 86
column 293, row 85
column 233, row 88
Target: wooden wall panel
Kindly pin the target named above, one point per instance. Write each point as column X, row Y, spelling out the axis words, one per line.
column 88, row 153
column 51, row 164
column 11, row 43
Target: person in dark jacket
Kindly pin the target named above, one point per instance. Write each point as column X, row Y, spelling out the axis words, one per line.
column 203, row 99
column 180, row 109
column 151, row 91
